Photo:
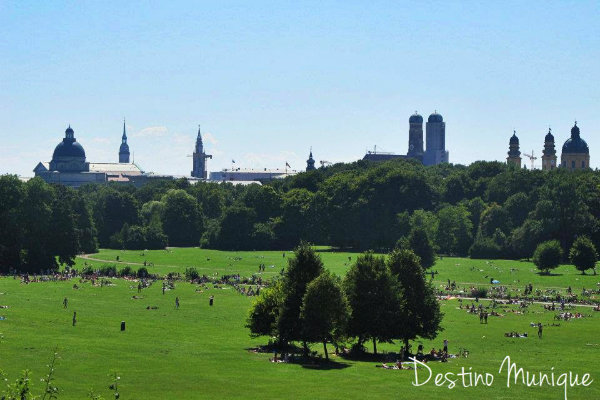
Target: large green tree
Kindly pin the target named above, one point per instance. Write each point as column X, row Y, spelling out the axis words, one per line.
column 324, row 311
column 374, row 299
column 420, row 308
column 547, row 256
column 181, row 218
column 583, row 254
column 302, row 268
column 420, row 244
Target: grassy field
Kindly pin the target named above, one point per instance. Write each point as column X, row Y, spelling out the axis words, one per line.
column 200, row 351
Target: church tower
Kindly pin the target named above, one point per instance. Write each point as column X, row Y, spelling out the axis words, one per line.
column 124, row 149
column 199, row 159
column 514, row 155
column 415, row 137
column 435, row 131
column 549, row 153
column 310, row 163
column 575, row 152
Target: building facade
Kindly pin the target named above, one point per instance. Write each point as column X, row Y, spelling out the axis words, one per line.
column 575, row 151
column 435, row 152
column 199, row 159
column 69, row 166
column 514, row 155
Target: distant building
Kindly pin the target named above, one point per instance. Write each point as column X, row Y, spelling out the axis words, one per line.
column 575, row 151
column 549, row 152
column 382, row 156
column 514, row 155
column 415, row 137
column 435, row 152
column 249, row 175
column 310, row 163
column 199, row 159
column 69, row 166
column 124, row 148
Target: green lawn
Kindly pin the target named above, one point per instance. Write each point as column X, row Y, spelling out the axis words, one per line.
column 201, row 352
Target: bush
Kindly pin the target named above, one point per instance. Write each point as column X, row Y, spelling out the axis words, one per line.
column 485, row 248
column 583, row 254
column 142, row 272
column 87, row 270
column 191, row 274
column 127, row 271
column 547, row 255
column 479, row 292
column 108, row 270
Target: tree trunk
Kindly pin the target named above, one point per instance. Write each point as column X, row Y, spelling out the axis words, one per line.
column 325, row 349
column 405, row 348
column 374, row 346
column 305, row 346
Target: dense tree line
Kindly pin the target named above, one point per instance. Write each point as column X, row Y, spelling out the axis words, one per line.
column 42, row 226
column 381, row 299
column 485, row 210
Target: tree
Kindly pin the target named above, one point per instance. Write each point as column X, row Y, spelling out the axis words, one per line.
column 302, row 268
column 324, row 311
column 236, row 227
column 112, row 210
column 494, row 217
column 547, row 255
column 420, row 308
column 419, row 242
column 12, row 193
column 583, row 254
column 264, row 313
column 454, row 230
column 181, row 218
column 374, row 300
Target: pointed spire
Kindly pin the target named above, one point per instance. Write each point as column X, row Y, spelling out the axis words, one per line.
column 124, row 132
column 199, row 145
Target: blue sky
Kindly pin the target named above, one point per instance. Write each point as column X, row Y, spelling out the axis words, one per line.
column 267, row 80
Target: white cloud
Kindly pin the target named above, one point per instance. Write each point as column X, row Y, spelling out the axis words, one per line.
column 152, row 131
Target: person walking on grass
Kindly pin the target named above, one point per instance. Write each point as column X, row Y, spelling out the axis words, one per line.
column 65, row 302
column 74, row 317
column 540, row 329
column 177, row 303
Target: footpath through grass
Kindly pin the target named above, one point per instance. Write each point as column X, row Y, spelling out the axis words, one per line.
column 200, row 351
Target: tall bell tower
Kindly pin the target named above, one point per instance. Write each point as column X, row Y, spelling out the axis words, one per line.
column 199, row 159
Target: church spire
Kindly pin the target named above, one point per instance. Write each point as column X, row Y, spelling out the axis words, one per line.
column 310, row 163
column 199, row 144
column 124, row 137
column 124, row 149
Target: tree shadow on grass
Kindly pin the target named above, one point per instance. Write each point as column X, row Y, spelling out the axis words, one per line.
column 541, row 273
column 322, row 364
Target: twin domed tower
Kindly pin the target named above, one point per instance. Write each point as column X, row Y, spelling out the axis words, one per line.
column 435, row 128
column 575, row 152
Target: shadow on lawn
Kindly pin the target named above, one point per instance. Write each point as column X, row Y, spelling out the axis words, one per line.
column 542, row 273
column 322, row 364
